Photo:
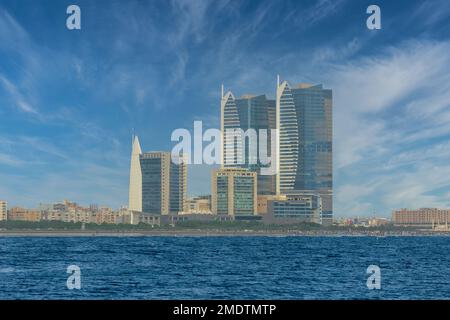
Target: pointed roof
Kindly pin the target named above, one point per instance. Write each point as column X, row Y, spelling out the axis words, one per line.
column 136, row 149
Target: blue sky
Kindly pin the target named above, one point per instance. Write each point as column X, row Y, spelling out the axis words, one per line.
column 69, row 99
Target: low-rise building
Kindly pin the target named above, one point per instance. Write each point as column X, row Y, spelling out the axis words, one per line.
column 199, row 205
column 295, row 209
column 262, row 202
column 426, row 217
column 22, row 214
column 376, row 222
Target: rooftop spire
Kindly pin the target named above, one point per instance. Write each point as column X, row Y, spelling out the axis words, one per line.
column 136, row 149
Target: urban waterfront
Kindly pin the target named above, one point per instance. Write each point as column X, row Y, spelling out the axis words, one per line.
column 224, row 267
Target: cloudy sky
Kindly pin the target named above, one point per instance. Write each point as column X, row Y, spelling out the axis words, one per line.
column 69, row 100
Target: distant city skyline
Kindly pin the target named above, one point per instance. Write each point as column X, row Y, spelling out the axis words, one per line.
column 69, row 100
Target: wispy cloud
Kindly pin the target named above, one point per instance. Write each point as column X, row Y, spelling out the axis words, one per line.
column 16, row 96
column 430, row 12
column 383, row 83
column 389, row 110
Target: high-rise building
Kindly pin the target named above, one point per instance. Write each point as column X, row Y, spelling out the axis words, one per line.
column 234, row 192
column 3, row 210
column 158, row 182
column 244, row 113
column 304, row 119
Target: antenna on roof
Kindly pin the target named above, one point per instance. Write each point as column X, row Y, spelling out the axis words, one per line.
column 222, row 90
column 278, row 80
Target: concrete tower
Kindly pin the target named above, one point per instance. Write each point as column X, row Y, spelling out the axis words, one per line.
column 135, row 199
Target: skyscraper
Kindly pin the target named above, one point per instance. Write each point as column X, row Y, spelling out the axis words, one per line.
column 304, row 118
column 157, row 182
column 248, row 112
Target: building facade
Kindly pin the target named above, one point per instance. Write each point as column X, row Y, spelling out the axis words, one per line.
column 22, row 214
column 200, row 205
column 158, row 182
column 263, row 200
column 234, row 192
column 3, row 210
column 304, row 119
column 295, row 208
column 135, row 189
column 420, row 217
column 238, row 115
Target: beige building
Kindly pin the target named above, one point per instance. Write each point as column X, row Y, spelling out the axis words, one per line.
column 421, row 217
column 376, row 222
column 3, row 210
column 234, row 192
column 263, row 199
column 21, row 214
column 200, row 204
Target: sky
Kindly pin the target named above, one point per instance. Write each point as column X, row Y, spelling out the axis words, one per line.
column 70, row 99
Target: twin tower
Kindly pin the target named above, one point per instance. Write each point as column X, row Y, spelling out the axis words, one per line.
column 303, row 116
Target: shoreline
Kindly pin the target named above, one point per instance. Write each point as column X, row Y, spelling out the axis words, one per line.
column 206, row 233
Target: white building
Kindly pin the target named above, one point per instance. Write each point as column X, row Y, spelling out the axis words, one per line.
column 135, row 200
column 3, row 210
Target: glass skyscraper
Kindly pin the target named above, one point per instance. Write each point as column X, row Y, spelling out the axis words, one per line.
column 305, row 142
column 248, row 112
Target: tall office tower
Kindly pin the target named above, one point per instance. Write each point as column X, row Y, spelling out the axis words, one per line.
column 3, row 210
column 248, row 112
column 157, row 182
column 304, row 118
column 178, row 184
column 234, row 192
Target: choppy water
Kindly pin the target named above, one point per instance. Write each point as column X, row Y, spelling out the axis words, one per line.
column 225, row 267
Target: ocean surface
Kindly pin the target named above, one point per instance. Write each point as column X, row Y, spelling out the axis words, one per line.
column 224, row 267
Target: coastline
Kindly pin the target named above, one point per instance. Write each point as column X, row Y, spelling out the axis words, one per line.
column 207, row 233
